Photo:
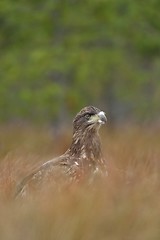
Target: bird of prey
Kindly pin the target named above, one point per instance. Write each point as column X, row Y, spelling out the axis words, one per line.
column 82, row 160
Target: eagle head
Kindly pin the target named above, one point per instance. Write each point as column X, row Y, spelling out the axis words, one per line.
column 89, row 118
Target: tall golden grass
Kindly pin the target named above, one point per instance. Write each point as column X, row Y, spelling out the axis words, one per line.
column 124, row 206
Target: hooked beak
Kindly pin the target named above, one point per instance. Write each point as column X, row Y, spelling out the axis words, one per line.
column 102, row 117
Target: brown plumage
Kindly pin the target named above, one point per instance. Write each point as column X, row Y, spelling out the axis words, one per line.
column 81, row 161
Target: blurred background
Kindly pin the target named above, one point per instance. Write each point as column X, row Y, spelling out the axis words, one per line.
column 58, row 56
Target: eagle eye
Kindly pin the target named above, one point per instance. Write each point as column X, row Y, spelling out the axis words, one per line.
column 88, row 115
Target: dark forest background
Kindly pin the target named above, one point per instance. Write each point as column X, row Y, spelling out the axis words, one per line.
column 58, row 56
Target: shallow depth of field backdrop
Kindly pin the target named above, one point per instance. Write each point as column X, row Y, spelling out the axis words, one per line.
column 55, row 58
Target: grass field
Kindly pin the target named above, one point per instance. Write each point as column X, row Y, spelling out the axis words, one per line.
column 125, row 206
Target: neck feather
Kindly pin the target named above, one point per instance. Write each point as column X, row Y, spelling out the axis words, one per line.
column 86, row 144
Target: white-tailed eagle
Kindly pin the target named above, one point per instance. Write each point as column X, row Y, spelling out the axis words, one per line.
column 81, row 161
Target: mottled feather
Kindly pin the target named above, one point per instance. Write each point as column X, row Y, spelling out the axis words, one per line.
column 82, row 160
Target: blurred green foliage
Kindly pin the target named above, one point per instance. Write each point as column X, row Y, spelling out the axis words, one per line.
column 57, row 56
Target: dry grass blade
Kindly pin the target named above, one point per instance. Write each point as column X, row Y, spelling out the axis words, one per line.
column 125, row 206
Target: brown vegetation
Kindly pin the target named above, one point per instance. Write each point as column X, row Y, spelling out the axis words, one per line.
column 124, row 206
